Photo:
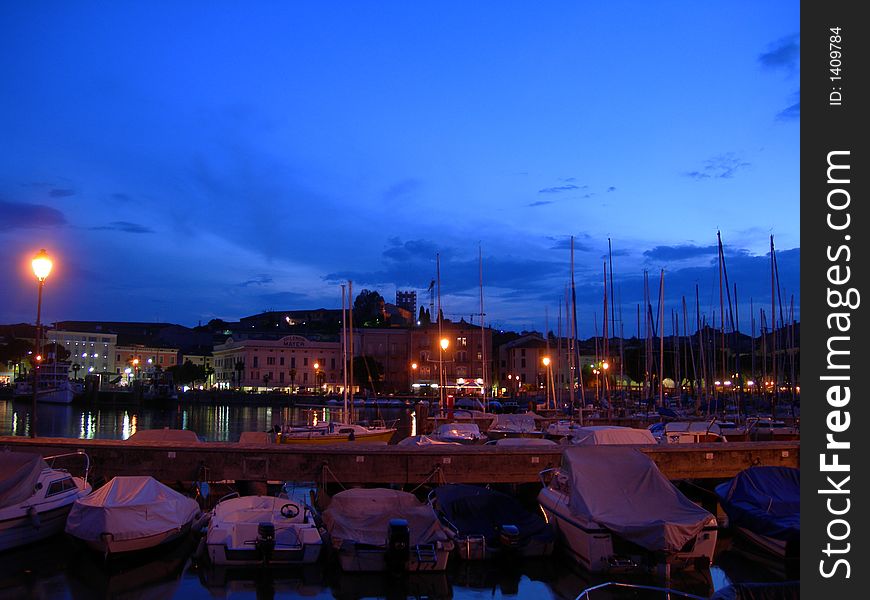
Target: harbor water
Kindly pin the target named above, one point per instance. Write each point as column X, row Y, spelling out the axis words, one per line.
column 58, row 568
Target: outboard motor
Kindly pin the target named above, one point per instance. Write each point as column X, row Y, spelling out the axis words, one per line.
column 398, row 544
column 509, row 537
column 265, row 543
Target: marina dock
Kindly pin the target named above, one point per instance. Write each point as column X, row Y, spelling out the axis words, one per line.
column 358, row 464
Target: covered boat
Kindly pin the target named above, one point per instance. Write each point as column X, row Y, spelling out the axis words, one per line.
column 262, row 530
column 464, row 433
column 487, row 523
column 514, row 425
column 381, row 529
column 35, row 498
column 763, row 504
column 423, row 441
column 613, row 507
column 597, row 435
column 131, row 513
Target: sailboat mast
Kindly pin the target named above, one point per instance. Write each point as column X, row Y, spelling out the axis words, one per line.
column 661, row 338
column 773, row 331
column 350, row 345
column 482, row 327
column 576, row 348
column 441, row 379
column 344, row 416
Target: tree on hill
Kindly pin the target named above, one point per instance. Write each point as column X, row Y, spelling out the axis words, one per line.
column 368, row 309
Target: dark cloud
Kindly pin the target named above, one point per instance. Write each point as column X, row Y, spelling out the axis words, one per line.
column 124, row 226
column 667, row 253
column 18, row 215
column 558, row 189
column 540, row 203
column 723, row 166
column 412, row 250
column 611, row 189
column 792, row 113
column 260, row 279
column 403, row 190
column 783, row 54
column 61, row 193
column 564, row 243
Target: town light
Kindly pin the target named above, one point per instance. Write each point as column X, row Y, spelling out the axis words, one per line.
column 41, row 264
column 444, row 343
column 546, row 361
column 605, row 366
column 414, row 366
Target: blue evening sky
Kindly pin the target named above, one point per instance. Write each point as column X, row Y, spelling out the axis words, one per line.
column 190, row 160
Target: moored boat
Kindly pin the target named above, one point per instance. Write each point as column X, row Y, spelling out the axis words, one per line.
column 514, row 425
column 54, row 387
column 598, row 435
column 488, row 524
column 36, row 498
column 386, row 530
column 262, row 530
column 128, row 514
column 613, row 508
column 335, row 433
column 763, row 504
column 463, row 433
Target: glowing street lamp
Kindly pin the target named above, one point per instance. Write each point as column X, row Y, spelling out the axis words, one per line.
column 414, row 374
column 441, row 379
column 41, row 264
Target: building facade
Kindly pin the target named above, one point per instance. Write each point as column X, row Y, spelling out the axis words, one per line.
column 292, row 363
column 466, row 362
column 141, row 359
column 95, row 353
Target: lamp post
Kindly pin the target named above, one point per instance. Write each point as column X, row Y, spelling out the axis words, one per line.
column 413, row 374
column 546, row 361
column 441, row 379
column 316, row 367
column 41, row 264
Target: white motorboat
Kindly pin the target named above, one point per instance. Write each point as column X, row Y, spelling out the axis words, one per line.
column 423, row 441
column 335, row 433
column 262, row 530
column 613, row 509
column 35, row 497
column 386, row 530
column 691, row 432
column 129, row 514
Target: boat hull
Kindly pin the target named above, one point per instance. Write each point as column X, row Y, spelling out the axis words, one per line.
column 33, row 521
column 315, row 437
column 353, row 557
column 108, row 545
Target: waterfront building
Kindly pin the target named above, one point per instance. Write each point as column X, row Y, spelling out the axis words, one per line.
column 462, row 361
column 142, row 359
column 290, row 363
column 390, row 348
column 94, row 353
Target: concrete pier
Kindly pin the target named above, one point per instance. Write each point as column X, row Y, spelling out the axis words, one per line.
column 353, row 464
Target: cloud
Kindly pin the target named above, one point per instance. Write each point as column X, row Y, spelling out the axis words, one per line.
column 559, row 189
column 783, row 54
column 61, row 193
column 18, row 215
column 121, row 197
column 124, row 226
column 791, row 113
column 683, row 252
column 261, row 279
column 611, row 189
column 723, row 166
column 403, row 190
column 410, row 250
column 291, row 299
column 564, row 243
column 540, row 203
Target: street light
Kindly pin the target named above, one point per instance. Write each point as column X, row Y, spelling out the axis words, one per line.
column 441, row 380
column 316, row 367
column 413, row 373
column 41, row 264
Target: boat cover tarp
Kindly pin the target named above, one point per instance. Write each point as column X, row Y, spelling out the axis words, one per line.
column 363, row 516
column 19, row 472
column 475, row 510
column 515, row 423
column 611, row 434
column 164, row 435
column 424, row 440
column 130, row 508
column 623, row 490
column 764, row 500
column 534, row 441
column 781, row 590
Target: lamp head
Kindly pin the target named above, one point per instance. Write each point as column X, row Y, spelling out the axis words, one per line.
column 41, row 264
